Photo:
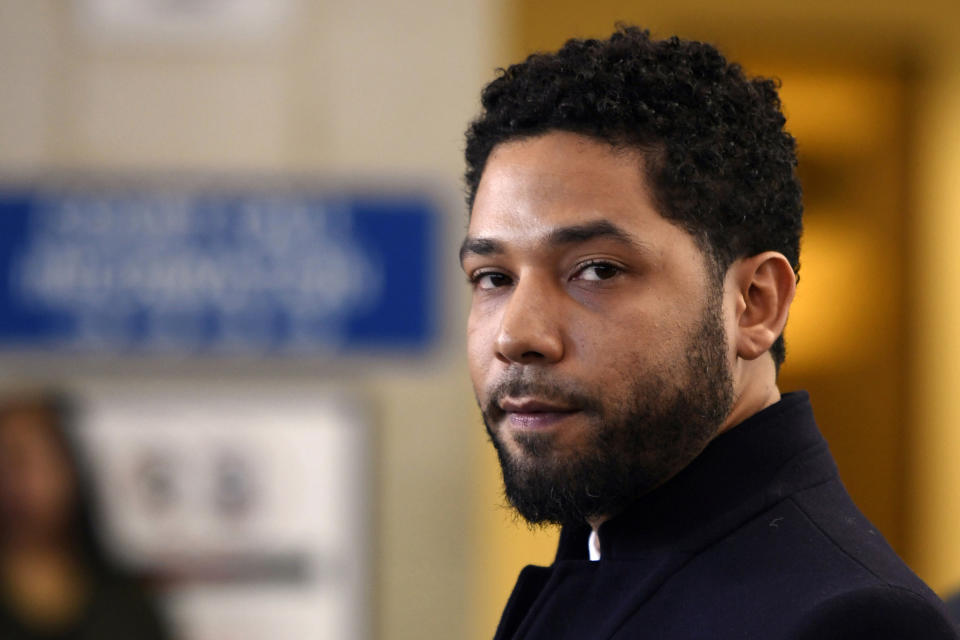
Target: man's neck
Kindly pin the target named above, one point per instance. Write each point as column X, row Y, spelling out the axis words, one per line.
column 755, row 389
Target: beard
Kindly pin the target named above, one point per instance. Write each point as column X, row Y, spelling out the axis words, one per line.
column 634, row 443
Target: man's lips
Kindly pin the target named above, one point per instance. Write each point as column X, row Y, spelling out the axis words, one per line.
column 530, row 413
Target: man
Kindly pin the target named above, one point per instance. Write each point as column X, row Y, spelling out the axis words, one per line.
column 632, row 250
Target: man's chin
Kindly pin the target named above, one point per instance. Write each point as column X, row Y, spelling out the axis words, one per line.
column 534, row 448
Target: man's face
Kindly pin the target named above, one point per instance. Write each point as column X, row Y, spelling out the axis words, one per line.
column 595, row 339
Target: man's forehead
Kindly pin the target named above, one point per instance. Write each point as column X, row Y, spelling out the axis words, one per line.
column 560, row 165
column 565, row 177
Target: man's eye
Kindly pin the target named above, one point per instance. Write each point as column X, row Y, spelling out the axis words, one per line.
column 598, row 271
column 490, row 280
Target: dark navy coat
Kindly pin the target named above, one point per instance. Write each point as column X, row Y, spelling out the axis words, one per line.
column 755, row 539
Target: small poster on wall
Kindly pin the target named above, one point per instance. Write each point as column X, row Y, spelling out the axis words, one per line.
column 249, row 507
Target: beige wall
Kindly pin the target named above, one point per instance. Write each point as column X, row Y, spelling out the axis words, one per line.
column 366, row 85
column 369, row 91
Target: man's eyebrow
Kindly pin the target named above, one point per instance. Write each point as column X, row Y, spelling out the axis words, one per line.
column 573, row 234
column 591, row 231
column 480, row 247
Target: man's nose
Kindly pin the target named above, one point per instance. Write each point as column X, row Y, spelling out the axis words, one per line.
column 530, row 328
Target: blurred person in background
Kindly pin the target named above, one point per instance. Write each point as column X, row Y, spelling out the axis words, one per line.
column 633, row 242
column 57, row 581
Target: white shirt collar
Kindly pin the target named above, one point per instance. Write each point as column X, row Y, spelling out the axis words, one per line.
column 593, row 545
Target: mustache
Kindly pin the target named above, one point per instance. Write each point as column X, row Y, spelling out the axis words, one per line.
column 562, row 392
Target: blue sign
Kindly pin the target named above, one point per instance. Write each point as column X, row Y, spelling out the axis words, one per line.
column 197, row 272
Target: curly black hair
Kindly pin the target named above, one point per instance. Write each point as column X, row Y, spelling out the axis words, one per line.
column 716, row 155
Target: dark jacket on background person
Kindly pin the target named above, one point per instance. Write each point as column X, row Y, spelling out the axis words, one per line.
column 755, row 539
column 115, row 608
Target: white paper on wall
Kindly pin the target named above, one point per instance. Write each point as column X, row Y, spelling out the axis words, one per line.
column 182, row 20
column 251, row 504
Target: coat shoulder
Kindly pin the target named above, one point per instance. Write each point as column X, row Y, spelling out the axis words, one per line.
column 881, row 612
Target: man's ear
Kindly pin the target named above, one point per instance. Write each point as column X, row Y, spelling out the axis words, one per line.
column 763, row 286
